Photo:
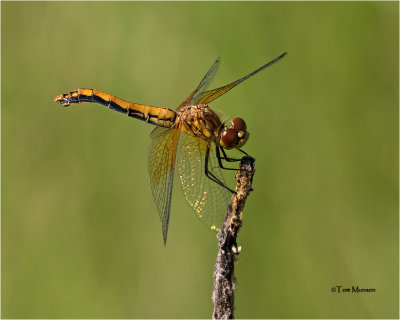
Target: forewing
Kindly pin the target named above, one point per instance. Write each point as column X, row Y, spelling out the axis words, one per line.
column 207, row 199
column 203, row 85
column 162, row 154
column 208, row 96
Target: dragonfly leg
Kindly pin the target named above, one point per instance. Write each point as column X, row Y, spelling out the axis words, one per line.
column 224, row 157
column 227, row 159
column 210, row 175
column 245, row 153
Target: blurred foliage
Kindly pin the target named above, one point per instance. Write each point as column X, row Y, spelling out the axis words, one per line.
column 81, row 236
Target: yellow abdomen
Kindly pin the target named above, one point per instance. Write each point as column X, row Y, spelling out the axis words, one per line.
column 163, row 117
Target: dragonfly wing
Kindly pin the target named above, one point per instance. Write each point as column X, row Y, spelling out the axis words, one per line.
column 204, row 83
column 208, row 96
column 162, row 154
column 207, row 199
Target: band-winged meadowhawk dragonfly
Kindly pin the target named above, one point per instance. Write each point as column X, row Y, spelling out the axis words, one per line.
column 198, row 153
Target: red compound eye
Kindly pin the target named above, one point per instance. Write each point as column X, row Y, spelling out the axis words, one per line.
column 239, row 124
column 229, row 138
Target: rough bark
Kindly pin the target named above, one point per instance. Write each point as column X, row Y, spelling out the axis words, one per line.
column 228, row 250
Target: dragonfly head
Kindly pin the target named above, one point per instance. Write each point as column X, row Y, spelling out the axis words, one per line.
column 234, row 136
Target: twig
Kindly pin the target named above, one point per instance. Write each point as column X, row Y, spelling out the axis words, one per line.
column 224, row 279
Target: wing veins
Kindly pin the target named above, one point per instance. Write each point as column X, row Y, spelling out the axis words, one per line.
column 209, row 96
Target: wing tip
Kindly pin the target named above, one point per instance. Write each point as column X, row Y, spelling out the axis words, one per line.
column 165, row 230
column 278, row 58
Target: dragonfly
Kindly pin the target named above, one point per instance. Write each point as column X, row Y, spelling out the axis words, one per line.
column 192, row 138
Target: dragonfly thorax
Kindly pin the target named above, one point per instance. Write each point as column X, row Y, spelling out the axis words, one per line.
column 199, row 121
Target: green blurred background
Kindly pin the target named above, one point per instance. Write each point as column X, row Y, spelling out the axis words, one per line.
column 81, row 237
